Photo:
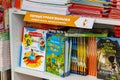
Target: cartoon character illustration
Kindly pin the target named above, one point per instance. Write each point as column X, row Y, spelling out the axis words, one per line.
column 42, row 44
column 53, row 59
column 32, row 59
column 85, row 22
column 103, row 61
column 27, row 40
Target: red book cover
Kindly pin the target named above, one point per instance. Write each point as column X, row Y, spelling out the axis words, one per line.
column 17, row 4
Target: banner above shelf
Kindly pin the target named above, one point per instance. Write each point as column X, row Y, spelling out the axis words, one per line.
column 107, row 21
column 60, row 20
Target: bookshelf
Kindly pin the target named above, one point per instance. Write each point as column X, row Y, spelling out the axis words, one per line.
column 18, row 73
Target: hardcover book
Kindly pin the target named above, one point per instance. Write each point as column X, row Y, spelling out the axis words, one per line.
column 108, row 50
column 33, row 49
column 55, row 54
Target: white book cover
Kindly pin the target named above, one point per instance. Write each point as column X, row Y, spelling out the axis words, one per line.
column 33, row 49
column 61, row 2
column 45, row 8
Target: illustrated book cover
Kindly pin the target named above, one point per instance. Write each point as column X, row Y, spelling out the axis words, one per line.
column 108, row 51
column 33, row 49
column 55, row 54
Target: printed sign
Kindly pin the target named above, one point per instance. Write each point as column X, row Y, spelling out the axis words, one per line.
column 60, row 20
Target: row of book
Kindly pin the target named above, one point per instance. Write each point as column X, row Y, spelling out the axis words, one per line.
column 43, row 50
column 53, row 52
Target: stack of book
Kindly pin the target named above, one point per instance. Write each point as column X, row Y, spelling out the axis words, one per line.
column 90, row 8
column 4, row 51
column 100, row 3
column 4, row 35
column 86, row 10
column 115, row 10
column 46, row 6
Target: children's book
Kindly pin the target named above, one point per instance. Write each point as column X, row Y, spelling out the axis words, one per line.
column 108, row 51
column 33, row 49
column 55, row 54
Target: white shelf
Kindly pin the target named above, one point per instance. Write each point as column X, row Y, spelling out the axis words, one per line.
column 4, row 68
column 50, row 76
column 16, row 23
column 97, row 20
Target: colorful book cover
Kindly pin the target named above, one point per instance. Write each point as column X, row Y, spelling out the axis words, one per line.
column 55, row 54
column 100, row 3
column 33, row 49
column 108, row 51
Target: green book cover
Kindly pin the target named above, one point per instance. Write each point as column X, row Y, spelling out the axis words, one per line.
column 55, row 53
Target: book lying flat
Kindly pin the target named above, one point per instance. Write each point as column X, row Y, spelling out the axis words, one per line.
column 100, row 3
column 60, row 2
column 46, row 8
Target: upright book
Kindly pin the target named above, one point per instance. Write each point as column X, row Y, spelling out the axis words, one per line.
column 108, row 50
column 33, row 49
column 55, row 54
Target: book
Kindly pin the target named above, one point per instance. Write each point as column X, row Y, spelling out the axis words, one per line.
column 48, row 8
column 59, row 2
column 95, row 32
column 69, row 53
column 55, row 54
column 33, row 49
column 100, row 3
column 108, row 51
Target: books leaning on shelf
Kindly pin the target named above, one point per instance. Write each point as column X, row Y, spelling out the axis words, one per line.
column 58, row 54
column 30, row 5
column 33, row 49
column 108, row 50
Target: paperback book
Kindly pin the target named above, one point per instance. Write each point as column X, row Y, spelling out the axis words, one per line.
column 59, row 2
column 33, row 49
column 100, row 3
column 46, row 8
